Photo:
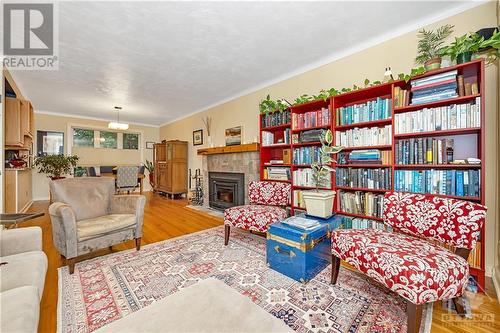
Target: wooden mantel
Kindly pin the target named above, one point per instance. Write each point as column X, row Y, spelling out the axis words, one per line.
column 230, row 149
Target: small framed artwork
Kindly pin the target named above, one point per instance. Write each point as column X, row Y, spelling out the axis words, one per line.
column 233, row 136
column 150, row 145
column 50, row 143
column 198, row 137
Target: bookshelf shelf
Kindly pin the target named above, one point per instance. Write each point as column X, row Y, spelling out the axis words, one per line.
column 364, row 189
column 458, row 131
column 449, row 101
column 466, row 142
column 437, row 166
column 373, row 123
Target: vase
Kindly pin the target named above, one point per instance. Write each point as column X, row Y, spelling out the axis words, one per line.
column 319, row 203
column 210, row 142
column 432, row 64
column 464, row 57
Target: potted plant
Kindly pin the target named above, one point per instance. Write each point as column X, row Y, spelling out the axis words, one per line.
column 430, row 46
column 462, row 48
column 56, row 166
column 318, row 202
column 490, row 47
column 151, row 169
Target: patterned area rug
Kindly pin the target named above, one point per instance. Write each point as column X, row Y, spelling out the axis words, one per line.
column 107, row 288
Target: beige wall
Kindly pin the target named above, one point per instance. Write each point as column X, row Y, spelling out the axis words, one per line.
column 91, row 156
column 399, row 53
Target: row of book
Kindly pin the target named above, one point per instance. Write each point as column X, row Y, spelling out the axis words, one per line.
column 277, row 173
column 434, row 88
column 474, row 256
column 304, row 177
column 365, row 156
column 311, row 119
column 363, row 203
column 449, row 117
column 465, row 183
column 271, row 138
column 276, row 119
column 377, row 179
column 366, row 136
column 424, row 151
column 380, row 108
column 298, row 199
column 306, row 155
column 359, row 223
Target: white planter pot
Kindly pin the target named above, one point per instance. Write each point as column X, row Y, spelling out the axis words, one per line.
column 320, row 203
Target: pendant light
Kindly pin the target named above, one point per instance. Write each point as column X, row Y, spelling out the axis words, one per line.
column 117, row 125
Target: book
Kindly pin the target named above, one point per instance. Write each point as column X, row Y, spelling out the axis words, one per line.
column 377, row 109
column 364, row 203
column 424, row 151
column 275, row 119
column 369, row 178
column 311, row 119
column 365, row 136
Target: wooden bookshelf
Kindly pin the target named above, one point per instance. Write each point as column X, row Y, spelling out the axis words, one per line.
column 473, row 69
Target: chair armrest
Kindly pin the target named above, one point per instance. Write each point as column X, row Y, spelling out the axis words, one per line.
column 64, row 234
column 14, row 241
column 130, row 204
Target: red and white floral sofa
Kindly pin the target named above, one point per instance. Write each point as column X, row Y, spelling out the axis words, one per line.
column 267, row 202
column 404, row 260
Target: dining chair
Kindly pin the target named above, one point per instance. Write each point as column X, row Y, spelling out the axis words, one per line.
column 126, row 178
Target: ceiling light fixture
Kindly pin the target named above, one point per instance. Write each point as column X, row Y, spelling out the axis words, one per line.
column 116, row 125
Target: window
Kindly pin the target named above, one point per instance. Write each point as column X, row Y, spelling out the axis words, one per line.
column 108, row 140
column 49, row 143
column 130, row 141
column 83, row 137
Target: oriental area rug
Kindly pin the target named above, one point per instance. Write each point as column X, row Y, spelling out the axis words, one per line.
column 107, row 288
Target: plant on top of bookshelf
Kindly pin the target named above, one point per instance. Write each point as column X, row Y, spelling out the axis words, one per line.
column 320, row 203
column 463, row 47
column 430, row 46
column 267, row 105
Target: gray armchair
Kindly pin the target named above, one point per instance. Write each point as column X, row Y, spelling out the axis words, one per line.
column 87, row 216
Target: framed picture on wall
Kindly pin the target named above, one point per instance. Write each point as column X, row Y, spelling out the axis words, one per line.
column 233, row 136
column 198, row 137
column 49, row 143
column 150, row 145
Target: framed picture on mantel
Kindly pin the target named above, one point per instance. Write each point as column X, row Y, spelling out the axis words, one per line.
column 233, row 136
column 198, row 137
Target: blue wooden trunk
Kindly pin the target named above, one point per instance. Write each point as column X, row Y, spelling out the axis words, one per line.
column 300, row 254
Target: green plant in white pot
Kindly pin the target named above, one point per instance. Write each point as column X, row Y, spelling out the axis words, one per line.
column 318, row 202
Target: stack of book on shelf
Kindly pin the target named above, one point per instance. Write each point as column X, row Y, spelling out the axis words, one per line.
column 365, row 156
column 311, row 135
column 465, row 183
column 302, row 223
column 274, row 162
column 363, row 203
column 366, row 136
column 306, row 155
column 271, row 138
column 276, row 119
column 424, row 151
column 372, row 110
column 311, row 119
column 401, row 97
column 359, row 223
column 277, row 173
column 434, row 88
column 304, row 177
column 298, row 199
column 376, row 179
column 455, row 116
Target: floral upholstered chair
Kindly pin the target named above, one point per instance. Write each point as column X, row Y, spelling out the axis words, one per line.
column 405, row 261
column 267, row 202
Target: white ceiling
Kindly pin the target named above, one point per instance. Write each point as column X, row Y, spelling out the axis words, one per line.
column 164, row 60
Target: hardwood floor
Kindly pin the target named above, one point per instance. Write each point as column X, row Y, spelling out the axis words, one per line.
column 165, row 218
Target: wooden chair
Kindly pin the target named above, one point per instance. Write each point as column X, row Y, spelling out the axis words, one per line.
column 405, row 261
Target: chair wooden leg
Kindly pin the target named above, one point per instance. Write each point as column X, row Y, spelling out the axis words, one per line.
column 138, row 243
column 457, row 301
column 414, row 313
column 226, row 234
column 335, row 268
column 71, row 265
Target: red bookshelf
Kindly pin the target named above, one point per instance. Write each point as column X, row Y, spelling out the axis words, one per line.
column 473, row 70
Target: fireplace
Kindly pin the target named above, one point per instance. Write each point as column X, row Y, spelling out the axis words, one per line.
column 226, row 189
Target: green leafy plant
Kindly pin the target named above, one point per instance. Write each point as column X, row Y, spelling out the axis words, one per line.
column 55, row 166
column 323, row 167
column 431, row 43
column 303, row 99
column 493, row 43
column 470, row 42
column 268, row 105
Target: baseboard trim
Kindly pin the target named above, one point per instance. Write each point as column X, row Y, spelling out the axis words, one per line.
column 496, row 281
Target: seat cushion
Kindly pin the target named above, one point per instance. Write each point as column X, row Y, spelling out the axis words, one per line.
column 90, row 228
column 23, row 269
column 19, row 310
column 415, row 269
column 253, row 217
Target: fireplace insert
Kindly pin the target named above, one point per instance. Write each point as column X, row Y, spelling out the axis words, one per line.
column 226, row 189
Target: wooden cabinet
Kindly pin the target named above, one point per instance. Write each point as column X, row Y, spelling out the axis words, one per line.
column 14, row 135
column 26, row 119
column 18, row 190
column 171, row 167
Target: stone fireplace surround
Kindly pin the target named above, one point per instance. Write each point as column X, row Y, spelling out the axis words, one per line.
column 244, row 162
